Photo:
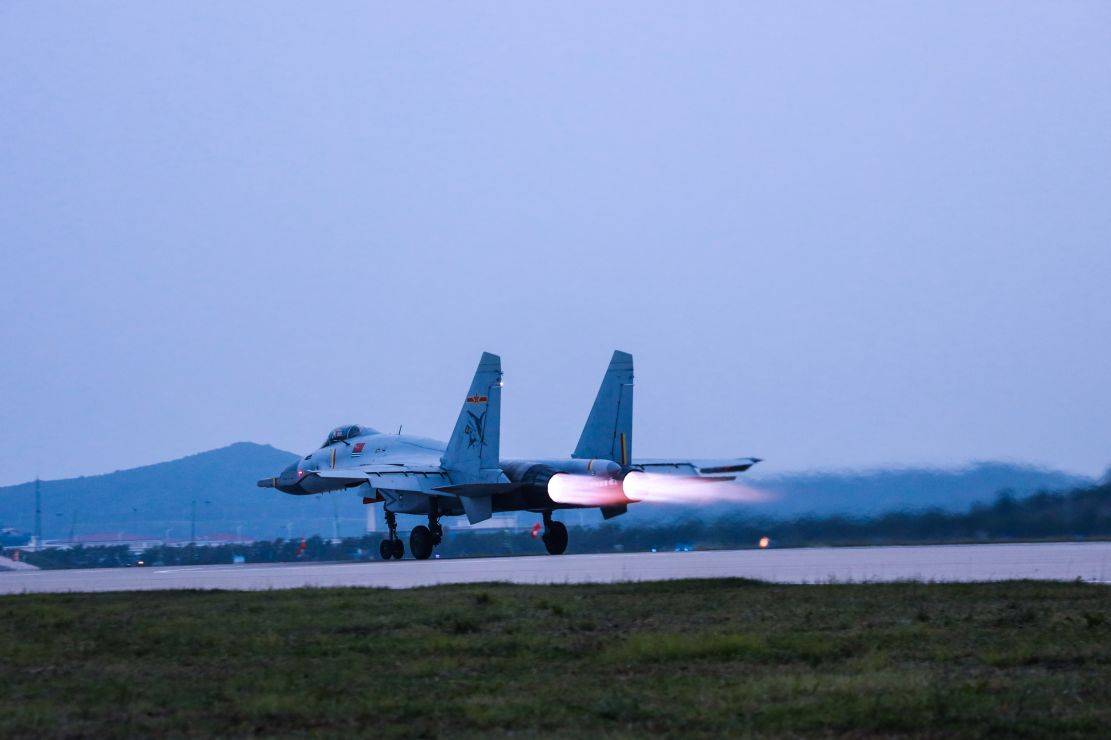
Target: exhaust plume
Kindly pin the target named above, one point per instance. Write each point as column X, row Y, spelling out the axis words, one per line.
column 673, row 489
column 587, row 490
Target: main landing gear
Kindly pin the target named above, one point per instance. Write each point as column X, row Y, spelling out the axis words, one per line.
column 423, row 539
column 555, row 535
column 393, row 547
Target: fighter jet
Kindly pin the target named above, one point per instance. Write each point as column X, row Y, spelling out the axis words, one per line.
column 420, row 476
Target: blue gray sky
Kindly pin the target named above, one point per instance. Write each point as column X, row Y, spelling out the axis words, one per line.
column 832, row 234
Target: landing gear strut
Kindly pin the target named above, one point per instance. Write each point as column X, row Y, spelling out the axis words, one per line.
column 434, row 523
column 392, row 547
column 423, row 539
column 555, row 535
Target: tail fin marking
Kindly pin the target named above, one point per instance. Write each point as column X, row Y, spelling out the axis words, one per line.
column 472, row 454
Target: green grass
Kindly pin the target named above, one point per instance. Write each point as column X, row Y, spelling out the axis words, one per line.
column 677, row 658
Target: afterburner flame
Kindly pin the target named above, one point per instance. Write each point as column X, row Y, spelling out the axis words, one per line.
column 673, row 489
column 588, row 490
column 584, row 490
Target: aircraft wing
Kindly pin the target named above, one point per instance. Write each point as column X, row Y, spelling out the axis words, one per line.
column 397, row 477
column 370, row 471
column 705, row 468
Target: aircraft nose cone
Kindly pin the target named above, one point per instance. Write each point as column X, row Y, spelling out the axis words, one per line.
column 288, row 481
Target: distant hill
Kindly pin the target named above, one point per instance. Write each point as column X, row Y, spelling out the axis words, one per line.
column 156, row 499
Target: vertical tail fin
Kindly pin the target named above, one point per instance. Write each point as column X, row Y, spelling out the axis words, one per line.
column 608, row 434
column 474, row 445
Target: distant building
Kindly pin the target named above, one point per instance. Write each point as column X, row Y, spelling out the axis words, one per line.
column 12, row 537
column 513, row 520
column 137, row 543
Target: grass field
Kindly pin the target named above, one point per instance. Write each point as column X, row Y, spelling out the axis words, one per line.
column 682, row 657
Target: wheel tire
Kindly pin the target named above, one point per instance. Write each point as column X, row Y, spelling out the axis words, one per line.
column 398, row 549
column 555, row 538
column 385, row 549
column 420, row 542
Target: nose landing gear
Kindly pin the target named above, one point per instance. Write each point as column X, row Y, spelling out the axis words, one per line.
column 555, row 535
column 392, row 547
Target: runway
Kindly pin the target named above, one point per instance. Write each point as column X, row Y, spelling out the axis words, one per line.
column 1043, row 561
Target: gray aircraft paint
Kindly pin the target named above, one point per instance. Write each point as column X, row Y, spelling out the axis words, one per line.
column 416, row 475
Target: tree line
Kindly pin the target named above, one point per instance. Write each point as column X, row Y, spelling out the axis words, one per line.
column 1079, row 514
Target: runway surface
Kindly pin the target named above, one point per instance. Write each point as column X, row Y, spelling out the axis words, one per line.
column 1043, row 561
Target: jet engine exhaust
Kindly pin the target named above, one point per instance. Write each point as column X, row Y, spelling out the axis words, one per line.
column 585, row 490
column 672, row 489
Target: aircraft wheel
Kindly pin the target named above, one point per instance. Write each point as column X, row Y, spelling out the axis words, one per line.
column 555, row 538
column 398, row 549
column 385, row 549
column 420, row 542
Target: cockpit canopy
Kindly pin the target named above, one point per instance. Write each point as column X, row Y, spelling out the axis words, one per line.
column 344, row 433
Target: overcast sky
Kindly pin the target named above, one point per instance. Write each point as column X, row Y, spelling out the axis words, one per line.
column 831, row 235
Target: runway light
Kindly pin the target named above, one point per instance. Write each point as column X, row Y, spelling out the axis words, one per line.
column 764, row 542
column 674, row 489
column 584, row 490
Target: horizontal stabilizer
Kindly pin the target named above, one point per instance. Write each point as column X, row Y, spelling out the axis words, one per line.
column 701, row 468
